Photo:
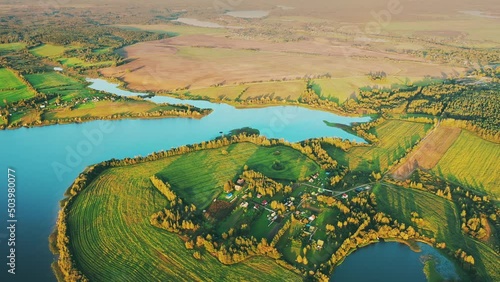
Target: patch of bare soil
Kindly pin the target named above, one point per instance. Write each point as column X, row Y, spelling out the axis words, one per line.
column 428, row 152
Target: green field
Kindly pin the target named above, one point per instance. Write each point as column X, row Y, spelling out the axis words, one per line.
column 395, row 137
column 54, row 82
column 296, row 165
column 50, row 80
column 11, row 88
column 200, row 176
column 56, row 53
column 441, row 219
column 49, row 50
column 343, row 88
column 288, row 90
column 10, row 47
column 472, row 161
column 113, row 240
column 77, row 62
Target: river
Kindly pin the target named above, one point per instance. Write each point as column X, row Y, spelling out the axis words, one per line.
column 48, row 159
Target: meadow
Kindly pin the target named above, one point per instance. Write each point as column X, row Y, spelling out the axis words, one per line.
column 230, row 92
column 57, row 83
column 200, row 176
column 77, row 62
column 472, row 161
column 395, row 137
column 56, row 53
column 9, row 47
column 286, row 90
column 49, row 50
column 12, row 89
column 440, row 216
column 348, row 87
column 106, row 108
column 113, row 239
column 296, row 165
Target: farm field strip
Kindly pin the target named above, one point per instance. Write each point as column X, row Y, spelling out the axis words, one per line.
column 11, row 88
column 343, row 88
column 474, row 161
column 49, row 50
column 53, row 81
column 437, row 212
column 395, row 137
column 428, row 152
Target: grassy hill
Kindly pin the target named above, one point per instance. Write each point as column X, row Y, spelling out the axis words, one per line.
column 200, row 176
column 395, row 137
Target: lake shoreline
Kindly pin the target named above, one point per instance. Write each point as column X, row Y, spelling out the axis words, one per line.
column 122, row 85
column 91, row 119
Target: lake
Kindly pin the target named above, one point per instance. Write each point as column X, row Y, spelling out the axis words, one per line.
column 48, row 159
column 391, row 262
